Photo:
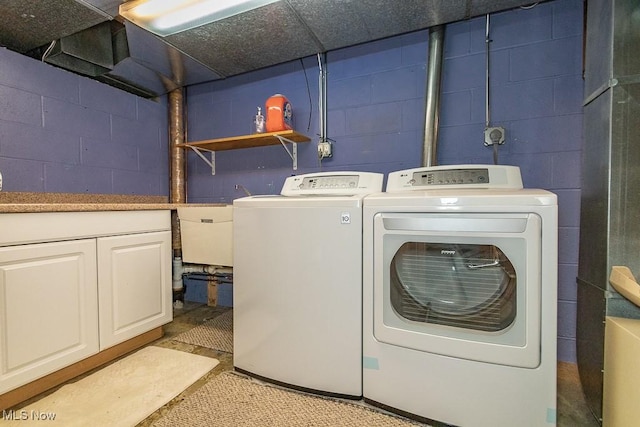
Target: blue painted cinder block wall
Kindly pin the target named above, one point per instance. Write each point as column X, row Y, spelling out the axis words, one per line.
column 60, row 132
column 376, row 95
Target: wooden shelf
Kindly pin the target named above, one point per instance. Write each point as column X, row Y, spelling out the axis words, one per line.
column 247, row 141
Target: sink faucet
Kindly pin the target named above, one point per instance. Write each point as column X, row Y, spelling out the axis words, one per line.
column 241, row 187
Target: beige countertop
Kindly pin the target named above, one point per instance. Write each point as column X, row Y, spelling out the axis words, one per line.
column 18, row 202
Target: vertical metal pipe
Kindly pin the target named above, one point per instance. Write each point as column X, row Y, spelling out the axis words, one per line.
column 322, row 61
column 432, row 103
column 177, row 162
column 487, row 104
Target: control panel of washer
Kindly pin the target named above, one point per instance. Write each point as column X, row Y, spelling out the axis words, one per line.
column 333, row 183
column 455, row 176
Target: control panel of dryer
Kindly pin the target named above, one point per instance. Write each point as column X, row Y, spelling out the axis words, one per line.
column 455, row 176
column 333, row 183
column 451, row 177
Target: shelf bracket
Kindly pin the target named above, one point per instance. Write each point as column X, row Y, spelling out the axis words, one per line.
column 293, row 153
column 211, row 163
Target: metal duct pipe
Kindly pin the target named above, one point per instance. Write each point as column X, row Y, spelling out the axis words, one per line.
column 432, row 103
column 177, row 163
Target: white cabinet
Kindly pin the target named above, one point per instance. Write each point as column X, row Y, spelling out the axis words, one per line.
column 134, row 282
column 97, row 280
column 48, row 308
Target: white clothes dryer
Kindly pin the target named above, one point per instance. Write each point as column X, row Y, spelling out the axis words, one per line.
column 297, row 287
column 459, row 288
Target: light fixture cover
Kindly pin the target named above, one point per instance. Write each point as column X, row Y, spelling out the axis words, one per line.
column 166, row 17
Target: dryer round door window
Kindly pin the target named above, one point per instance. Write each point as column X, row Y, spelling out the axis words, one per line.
column 460, row 285
column 464, row 285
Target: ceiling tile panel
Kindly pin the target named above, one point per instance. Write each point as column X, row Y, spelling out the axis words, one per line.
column 385, row 18
column 266, row 36
column 335, row 23
column 482, row 7
column 270, row 35
column 28, row 24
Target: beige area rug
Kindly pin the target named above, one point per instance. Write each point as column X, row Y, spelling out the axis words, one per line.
column 231, row 400
column 121, row 394
column 216, row 333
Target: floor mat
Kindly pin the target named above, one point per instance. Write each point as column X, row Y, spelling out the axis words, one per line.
column 216, row 333
column 121, row 394
column 232, row 400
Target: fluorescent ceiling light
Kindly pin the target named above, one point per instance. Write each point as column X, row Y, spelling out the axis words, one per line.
column 166, row 17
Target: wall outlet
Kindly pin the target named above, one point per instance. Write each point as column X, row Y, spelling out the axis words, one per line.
column 324, row 149
column 493, row 135
column 0, row 181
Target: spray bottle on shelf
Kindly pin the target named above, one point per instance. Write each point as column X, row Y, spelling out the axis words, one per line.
column 259, row 121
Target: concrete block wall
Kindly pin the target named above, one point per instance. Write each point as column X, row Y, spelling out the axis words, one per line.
column 536, row 93
column 60, row 132
column 375, row 103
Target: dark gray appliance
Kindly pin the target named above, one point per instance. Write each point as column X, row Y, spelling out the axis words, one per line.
column 609, row 220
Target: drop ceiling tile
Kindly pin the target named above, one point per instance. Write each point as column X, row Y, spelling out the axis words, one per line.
column 386, row 18
column 28, row 24
column 259, row 38
column 335, row 23
column 482, row 7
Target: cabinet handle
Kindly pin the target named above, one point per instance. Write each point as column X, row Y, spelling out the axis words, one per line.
column 623, row 281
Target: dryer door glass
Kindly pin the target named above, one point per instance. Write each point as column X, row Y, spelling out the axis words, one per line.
column 461, row 285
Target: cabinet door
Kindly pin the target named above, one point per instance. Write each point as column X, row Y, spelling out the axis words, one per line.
column 134, row 282
column 48, row 309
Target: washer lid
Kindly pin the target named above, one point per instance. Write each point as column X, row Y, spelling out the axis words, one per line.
column 301, row 202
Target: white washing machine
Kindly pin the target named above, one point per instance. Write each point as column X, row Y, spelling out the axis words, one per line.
column 459, row 288
column 297, row 285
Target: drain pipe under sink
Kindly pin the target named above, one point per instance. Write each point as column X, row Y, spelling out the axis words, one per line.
column 180, row 268
column 177, row 182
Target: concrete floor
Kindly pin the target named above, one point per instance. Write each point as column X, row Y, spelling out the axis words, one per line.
column 572, row 410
